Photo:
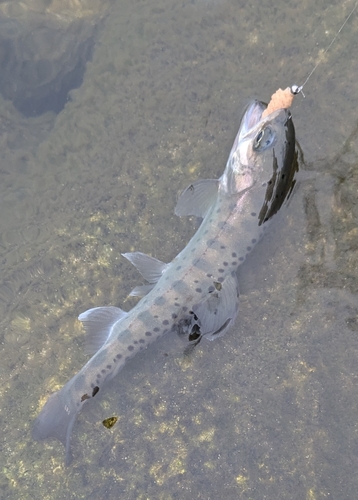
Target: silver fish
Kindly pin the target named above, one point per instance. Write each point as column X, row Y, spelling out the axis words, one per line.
column 196, row 294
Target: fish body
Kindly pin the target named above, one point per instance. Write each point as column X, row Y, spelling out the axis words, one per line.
column 195, row 295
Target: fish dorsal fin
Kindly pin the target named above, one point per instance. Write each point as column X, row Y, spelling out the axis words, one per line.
column 98, row 323
column 217, row 311
column 197, row 198
column 150, row 268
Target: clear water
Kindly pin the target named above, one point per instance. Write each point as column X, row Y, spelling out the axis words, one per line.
column 270, row 410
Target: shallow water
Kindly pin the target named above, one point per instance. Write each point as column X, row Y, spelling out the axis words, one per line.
column 268, row 411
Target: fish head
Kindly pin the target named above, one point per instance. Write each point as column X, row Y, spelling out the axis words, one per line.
column 263, row 154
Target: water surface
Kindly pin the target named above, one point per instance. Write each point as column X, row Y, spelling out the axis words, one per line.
column 268, row 411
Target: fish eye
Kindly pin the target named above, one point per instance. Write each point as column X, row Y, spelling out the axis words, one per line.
column 264, row 139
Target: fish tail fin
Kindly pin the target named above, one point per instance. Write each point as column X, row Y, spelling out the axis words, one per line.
column 56, row 420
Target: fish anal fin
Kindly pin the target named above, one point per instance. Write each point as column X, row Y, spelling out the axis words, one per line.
column 141, row 290
column 197, row 198
column 98, row 323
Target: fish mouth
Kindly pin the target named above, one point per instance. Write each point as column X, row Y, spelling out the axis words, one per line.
column 252, row 117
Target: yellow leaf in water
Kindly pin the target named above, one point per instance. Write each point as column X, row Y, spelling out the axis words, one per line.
column 109, row 422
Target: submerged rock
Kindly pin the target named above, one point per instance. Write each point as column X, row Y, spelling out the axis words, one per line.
column 44, row 50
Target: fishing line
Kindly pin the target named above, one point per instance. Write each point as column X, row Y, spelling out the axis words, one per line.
column 295, row 89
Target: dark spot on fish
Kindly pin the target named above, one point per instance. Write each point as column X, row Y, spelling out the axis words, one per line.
column 176, row 304
column 210, row 242
column 218, row 210
column 119, row 356
column 156, row 329
column 211, row 288
column 241, row 259
column 130, row 347
column 178, row 268
column 253, row 214
column 195, row 261
column 198, row 290
column 185, row 308
column 225, row 263
column 180, row 286
column 234, row 254
column 194, row 315
column 103, row 371
column 156, row 316
column 234, row 263
column 209, row 275
column 144, row 317
column 174, row 316
column 95, row 390
column 253, row 241
column 248, row 249
column 206, row 232
column 109, row 367
column 141, row 341
column 165, row 322
column 160, row 301
column 221, row 279
column 84, row 397
column 223, row 247
column 148, row 334
column 196, row 281
column 221, row 270
column 221, row 224
column 135, row 341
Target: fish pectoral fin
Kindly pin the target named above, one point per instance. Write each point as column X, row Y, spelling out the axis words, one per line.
column 218, row 310
column 149, row 267
column 197, row 198
column 98, row 323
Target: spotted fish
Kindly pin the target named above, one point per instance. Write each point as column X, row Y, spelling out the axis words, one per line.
column 195, row 295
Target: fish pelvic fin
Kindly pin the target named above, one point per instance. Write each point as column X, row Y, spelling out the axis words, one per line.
column 56, row 420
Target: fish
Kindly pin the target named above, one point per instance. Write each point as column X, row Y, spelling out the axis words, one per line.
column 196, row 295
